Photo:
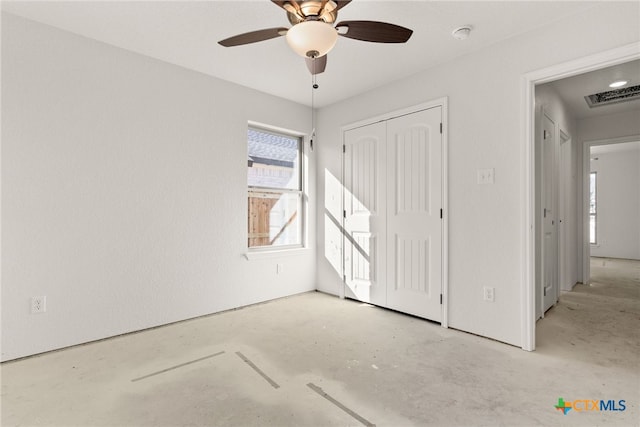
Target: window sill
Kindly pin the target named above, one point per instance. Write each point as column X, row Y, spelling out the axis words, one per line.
column 277, row 253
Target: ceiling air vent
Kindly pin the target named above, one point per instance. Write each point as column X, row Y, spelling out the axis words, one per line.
column 613, row 96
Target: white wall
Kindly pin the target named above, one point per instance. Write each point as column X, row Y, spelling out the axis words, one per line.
column 485, row 118
column 618, row 204
column 598, row 129
column 124, row 192
column 609, row 127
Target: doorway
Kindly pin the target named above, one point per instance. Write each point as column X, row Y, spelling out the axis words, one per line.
column 610, row 185
column 531, row 230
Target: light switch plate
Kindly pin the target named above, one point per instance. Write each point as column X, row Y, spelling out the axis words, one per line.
column 486, row 176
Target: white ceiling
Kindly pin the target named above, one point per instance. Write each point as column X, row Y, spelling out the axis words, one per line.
column 185, row 33
column 615, row 148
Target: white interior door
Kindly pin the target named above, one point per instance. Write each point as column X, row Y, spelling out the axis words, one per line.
column 365, row 213
column 549, row 281
column 392, row 213
column 414, row 223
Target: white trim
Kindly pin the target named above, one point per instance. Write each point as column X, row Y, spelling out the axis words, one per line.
column 267, row 254
column 277, row 129
column 440, row 102
column 563, row 270
column 444, row 104
column 343, row 288
column 528, row 296
column 586, row 170
column 444, row 321
column 589, row 63
column 586, row 240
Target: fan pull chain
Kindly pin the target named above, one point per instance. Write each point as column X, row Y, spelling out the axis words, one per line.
column 314, row 86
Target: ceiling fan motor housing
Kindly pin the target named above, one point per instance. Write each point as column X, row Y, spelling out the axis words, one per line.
column 312, row 9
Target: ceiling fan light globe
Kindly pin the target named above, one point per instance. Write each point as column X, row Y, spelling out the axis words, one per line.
column 309, row 37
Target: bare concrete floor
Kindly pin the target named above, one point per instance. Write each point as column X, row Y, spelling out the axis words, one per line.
column 315, row 360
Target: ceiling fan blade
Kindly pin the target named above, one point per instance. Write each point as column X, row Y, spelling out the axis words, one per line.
column 253, row 37
column 316, row 65
column 373, row 31
column 342, row 4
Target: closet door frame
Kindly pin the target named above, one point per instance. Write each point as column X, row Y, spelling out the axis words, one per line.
column 440, row 102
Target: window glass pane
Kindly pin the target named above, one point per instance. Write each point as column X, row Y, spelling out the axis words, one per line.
column 274, row 160
column 274, row 218
column 592, row 229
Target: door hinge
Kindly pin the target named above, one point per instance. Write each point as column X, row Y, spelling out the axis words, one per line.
column 440, row 213
column 344, row 214
column 440, row 127
column 344, row 277
column 544, row 292
column 440, row 298
column 344, row 148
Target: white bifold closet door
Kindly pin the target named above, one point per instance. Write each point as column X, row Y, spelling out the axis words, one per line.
column 393, row 223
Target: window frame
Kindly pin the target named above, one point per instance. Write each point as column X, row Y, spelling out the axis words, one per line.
column 593, row 216
column 300, row 191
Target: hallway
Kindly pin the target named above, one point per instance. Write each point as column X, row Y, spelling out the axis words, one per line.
column 599, row 322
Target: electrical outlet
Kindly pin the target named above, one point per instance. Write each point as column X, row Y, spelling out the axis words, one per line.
column 489, row 294
column 38, row 304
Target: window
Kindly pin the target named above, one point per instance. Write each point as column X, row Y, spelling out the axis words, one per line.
column 593, row 210
column 274, row 180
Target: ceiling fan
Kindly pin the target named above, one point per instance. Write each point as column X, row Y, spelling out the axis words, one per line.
column 313, row 34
